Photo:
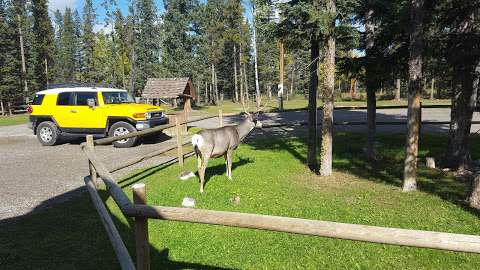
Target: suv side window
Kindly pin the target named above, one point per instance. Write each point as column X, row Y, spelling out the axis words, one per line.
column 82, row 98
column 65, row 99
column 38, row 99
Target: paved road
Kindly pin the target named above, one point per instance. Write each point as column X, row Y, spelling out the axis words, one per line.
column 37, row 177
column 383, row 115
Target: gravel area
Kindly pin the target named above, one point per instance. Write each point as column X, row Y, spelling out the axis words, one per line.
column 34, row 177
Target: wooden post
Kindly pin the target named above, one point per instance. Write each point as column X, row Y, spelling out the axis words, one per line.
column 93, row 172
column 220, row 117
column 184, row 125
column 179, row 141
column 141, row 229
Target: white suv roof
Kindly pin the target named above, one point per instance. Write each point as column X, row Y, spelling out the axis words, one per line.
column 78, row 89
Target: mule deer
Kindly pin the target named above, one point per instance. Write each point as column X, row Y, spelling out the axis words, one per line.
column 213, row 143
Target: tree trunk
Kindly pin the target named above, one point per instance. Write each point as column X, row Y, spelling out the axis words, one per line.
column 22, row 54
column 205, row 102
column 212, row 69
column 2, row 109
column 371, row 87
column 432, row 89
column 312, row 106
column 257, row 86
column 281, row 91
column 9, row 104
column 246, row 82
column 328, row 96
column 269, row 91
column 235, row 71
column 216, row 88
column 474, row 199
column 242, row 94
column 414, row 91
column 292, row 78
column 353, row 88
column 463, row 105
column 397, row 90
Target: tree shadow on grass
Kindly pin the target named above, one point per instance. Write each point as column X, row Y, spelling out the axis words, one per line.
column 388, row 168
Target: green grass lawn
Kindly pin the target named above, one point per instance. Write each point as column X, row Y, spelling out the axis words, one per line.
column 13, row 120
column 270, row 177
column 299, row 103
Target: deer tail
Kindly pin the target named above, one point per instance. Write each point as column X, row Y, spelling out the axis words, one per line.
column 197, row 141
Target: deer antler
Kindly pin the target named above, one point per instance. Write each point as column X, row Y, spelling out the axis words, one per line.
column 262, row 106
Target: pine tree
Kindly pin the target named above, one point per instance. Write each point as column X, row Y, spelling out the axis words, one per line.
column 77, row 21
column 43, row 45
column 147, row 49
column 67, row 48
column 88, row 41
column 178, row 38
column 10, row 86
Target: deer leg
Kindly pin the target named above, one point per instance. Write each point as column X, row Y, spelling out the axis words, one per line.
column 229, row 164
column 199, row 162
column 226, row 165
column 201, row 173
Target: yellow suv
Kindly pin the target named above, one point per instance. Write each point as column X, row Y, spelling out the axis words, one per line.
column 60, row 112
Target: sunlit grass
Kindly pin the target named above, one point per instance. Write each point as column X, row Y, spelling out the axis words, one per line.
column 270, row 177
column 13, row 120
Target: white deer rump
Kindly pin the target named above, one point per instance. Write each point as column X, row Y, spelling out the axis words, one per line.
column 197, row 141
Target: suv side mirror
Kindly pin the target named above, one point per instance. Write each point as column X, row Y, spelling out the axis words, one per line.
column 91, row 103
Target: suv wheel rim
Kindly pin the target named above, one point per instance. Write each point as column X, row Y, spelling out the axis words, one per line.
column 119, row 132
column 46, row 134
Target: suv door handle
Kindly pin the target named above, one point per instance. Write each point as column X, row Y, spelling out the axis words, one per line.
column 73, row 111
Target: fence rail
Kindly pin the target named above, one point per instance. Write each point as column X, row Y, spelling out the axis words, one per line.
column 141, row 212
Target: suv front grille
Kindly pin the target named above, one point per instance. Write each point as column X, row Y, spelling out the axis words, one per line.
column 157, row 114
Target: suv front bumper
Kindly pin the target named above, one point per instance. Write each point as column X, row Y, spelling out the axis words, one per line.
column 146, row 124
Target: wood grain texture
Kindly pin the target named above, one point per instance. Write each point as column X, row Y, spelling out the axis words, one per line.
column 141, row 229
column 373, row 234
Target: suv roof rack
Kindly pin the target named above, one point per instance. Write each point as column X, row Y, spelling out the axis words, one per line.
column 73, row 85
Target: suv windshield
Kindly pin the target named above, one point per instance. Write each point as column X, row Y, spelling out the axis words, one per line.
column 117, row 97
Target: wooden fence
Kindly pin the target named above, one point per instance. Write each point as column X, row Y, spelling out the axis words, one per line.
column 141, row 212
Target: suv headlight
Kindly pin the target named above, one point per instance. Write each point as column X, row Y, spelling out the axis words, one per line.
column 148, row 115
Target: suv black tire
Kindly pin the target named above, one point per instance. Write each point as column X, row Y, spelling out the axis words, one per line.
column 48, row 133
column 121, row 128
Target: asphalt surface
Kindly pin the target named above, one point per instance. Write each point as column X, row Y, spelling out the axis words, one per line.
column 34, row 177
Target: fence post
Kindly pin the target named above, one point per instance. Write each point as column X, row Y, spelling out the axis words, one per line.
column 93, row 172
column 184, row 121
column 220, row 117
column 141, row 229
column 179, row 141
